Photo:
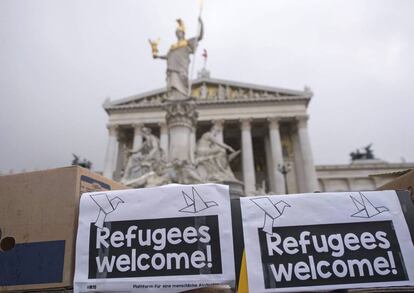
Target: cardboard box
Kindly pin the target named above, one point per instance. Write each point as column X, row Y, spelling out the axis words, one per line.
column 39, row 211
column 402, row 181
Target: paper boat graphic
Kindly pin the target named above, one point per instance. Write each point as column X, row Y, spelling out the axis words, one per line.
column 365, row 208
column 195, row 203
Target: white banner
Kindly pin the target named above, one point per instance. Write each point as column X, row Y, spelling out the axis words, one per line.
column 172, row 238
column 326, row 241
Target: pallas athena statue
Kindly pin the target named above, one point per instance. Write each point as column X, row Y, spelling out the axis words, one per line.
column 178, row 61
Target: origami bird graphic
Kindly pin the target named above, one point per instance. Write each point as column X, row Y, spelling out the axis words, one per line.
column 195, row 203
column 272, row 211
column 106, row 206
column 365, row 208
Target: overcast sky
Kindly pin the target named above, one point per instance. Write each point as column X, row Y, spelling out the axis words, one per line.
column 59, row 60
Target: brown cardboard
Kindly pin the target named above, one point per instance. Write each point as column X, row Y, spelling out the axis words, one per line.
column 40, row 210
column 403, row 182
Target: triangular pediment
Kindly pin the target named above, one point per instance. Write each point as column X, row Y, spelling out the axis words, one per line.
column 212, row 90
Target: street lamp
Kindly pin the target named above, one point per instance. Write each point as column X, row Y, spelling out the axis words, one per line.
column 284, row 169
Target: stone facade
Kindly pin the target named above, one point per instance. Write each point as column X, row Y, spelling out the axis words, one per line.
column 360, row 175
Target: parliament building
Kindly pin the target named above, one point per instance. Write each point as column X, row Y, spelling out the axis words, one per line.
column 268, row 124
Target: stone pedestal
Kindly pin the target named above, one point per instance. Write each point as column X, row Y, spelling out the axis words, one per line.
column 181, row 117
column 236, row 188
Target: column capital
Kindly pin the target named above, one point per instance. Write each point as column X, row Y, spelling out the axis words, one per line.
column 302, row 120
column 137, row 125
column 112, row 128
column 137, row 128
column 218, row 122
column 246, row 123
column 121, row 137
column 163, row 126
column 274, row 122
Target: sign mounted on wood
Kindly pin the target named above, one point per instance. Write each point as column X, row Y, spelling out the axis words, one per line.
column 326, row 241
column 166, row 239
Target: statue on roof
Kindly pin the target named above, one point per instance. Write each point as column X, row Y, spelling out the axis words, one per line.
column 178, row 61
column 84, row 163
column 367, row 154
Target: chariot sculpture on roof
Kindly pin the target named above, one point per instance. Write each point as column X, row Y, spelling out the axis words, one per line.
column 367, row 154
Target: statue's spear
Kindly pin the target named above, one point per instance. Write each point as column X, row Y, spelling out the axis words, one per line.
column 194, row 55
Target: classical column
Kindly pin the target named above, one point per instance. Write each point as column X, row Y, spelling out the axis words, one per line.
column 249, row 176
column 300, row 177
column 193, row 144
column 307, row 157
column 277, row 155
column 121, row 155
column 111, row 151
column 269, row 164
column 164, row 138
column 219, row 125
column 137, row 142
